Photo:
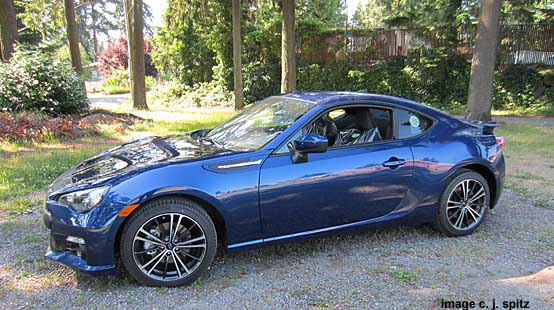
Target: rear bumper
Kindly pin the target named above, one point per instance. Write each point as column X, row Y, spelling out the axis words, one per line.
column 93, row 252
column 499, row 175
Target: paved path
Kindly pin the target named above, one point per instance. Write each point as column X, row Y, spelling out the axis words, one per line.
column 545, row 121
column 108, row 102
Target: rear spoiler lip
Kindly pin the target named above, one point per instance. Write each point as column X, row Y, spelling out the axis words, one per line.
column 487, row 128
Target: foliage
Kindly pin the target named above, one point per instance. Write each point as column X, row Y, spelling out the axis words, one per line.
column 437, row 77
column 45, row 17
column 97, row 18
column 119, row 83
column 260, row 81
column 527, row 11
column 116, row 57
column 32, row 81
column 38, row 127
column 205, row 94
column 445, row 19
column 186, row 51
column 62, row 55
column 521, row 86
column 329, row 13
column 43, row 22
column 547, row 76
column 429, row 75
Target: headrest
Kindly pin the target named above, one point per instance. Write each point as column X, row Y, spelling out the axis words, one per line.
column 364, row 119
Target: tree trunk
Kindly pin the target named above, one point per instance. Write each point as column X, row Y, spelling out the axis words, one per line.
column 479, row 102
column 8, row 25
column 288, row 48
column 94, row 36
column 237, row 61
column 71, row 26
column 134, row 9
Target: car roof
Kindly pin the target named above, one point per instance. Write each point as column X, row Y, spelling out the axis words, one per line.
column 335, row 97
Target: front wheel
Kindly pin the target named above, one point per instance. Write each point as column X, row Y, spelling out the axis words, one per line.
column 464, row 204
column 168, row 242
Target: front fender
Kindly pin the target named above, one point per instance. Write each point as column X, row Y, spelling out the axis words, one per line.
column 233, row 194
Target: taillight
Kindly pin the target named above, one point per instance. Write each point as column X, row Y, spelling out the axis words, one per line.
column 500, row 141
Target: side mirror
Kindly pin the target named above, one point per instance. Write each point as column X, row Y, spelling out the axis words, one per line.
column 310, row 143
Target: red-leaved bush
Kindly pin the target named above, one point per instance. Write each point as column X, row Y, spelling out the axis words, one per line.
column 39, row 127
column 116, row 56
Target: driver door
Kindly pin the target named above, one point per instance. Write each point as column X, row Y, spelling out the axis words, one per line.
column 346, row 184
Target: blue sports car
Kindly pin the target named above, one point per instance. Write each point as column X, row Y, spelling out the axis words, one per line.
column 290, row 167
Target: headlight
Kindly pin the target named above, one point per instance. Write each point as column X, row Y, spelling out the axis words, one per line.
column 84, row 200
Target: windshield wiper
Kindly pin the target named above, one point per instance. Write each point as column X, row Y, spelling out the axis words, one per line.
column 212, row 142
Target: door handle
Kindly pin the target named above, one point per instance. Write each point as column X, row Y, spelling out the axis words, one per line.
column 394, row 162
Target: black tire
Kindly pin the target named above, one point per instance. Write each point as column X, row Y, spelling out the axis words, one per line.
column 153, row 213
column 446, row 220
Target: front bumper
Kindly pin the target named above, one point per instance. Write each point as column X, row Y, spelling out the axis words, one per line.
column 79, row 264
column 96, row 231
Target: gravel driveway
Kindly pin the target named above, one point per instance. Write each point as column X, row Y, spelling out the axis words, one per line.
column 511, row 257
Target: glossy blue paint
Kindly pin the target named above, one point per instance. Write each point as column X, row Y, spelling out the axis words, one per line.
column 340, row 186
column 264, row 197
column 311, row 143
column 79, row 263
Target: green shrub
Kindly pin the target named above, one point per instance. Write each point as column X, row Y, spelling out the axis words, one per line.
column 119, row 83
column 437, row 77
column 261, row 81
column 329, row 77
column 62, row 55
column 432, row 76
column 114, row 90
column 519, row 87
column 208, row 94
column 547, row 77
column 32, row 81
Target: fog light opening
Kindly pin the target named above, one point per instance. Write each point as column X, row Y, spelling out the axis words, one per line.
column 76, row 245
column 77, row 240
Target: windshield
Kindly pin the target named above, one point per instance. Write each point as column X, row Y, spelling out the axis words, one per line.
column 258, row 124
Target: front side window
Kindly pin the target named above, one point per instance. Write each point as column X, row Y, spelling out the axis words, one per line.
column 411, row 124
column 354, row 125
column 258, row 124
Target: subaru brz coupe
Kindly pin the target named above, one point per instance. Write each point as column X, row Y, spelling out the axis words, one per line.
column 290, row 167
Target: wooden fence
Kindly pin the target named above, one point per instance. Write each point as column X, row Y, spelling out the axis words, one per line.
column 519, row 44
column 527, row 44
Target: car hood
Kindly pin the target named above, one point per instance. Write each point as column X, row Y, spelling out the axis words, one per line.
column 138, row 154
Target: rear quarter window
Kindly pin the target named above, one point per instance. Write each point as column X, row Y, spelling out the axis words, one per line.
column 411, row 124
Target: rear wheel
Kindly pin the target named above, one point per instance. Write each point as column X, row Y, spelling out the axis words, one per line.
column 464, row 204
column 168, row 242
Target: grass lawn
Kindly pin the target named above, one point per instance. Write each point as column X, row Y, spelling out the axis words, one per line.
column 529, row 151
column 29, row 168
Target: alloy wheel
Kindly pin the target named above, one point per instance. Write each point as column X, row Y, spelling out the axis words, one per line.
column 169, row 246
column 466, row 204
